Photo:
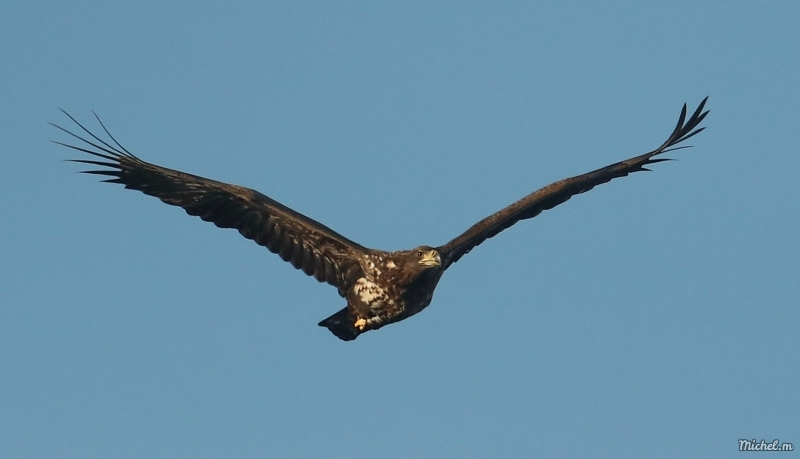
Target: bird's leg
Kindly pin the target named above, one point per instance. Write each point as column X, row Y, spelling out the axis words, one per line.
column 360, row 324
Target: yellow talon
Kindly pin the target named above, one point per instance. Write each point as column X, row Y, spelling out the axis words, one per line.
column 360, row 324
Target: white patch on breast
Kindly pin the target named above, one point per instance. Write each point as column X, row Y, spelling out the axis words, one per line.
column 390, row 264
column 368, row 292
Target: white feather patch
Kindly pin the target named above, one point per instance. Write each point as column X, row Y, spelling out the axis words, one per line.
column 368, row 292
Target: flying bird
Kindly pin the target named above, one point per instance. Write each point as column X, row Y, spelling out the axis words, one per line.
column 380, row 287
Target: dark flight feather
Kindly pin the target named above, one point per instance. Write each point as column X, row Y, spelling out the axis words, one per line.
column 308, row 245
column 380, row 287
column 558, row 192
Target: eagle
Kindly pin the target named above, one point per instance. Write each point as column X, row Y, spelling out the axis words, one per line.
column 379, row 287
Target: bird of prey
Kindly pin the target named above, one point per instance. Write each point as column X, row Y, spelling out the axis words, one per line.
column 380, row 287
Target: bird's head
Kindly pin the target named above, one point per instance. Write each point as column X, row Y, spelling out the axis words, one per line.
column 424, row 257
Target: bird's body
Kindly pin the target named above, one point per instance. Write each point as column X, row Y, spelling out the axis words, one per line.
column 380, row 287
column 393, row 286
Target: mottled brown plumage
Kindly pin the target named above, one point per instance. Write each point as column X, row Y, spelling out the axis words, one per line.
column 380, row 287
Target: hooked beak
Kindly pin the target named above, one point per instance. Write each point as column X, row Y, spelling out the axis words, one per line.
column 431, row 258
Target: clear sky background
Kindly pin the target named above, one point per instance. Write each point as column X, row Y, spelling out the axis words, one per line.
column 655, row 316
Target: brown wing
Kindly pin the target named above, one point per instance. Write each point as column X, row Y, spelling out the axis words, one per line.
column 558, row 192
column 308, row 245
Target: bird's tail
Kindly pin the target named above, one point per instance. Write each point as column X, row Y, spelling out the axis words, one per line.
column 341, row 325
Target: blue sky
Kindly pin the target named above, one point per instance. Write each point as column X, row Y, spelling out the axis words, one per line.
column 654, row 316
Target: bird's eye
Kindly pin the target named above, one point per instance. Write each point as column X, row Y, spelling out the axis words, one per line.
column 419, row 253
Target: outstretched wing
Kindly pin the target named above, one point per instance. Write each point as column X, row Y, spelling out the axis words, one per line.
column 558, row 192
column 308, row 245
